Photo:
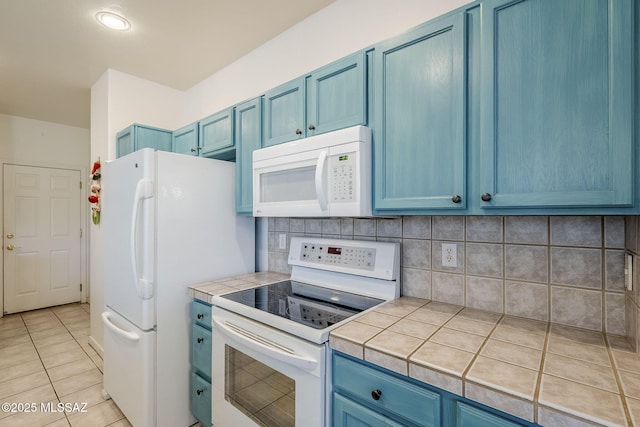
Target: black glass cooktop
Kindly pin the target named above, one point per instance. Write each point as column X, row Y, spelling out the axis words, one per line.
column 310, row 305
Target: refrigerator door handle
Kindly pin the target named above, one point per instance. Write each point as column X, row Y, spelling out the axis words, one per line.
column 106, row 319
column 144, row 190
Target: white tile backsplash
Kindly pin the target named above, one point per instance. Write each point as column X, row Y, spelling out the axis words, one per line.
column 564, row 269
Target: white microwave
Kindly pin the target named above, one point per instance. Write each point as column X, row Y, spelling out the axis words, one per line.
column 323, row 175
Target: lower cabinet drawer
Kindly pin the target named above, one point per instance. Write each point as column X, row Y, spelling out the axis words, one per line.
column 201, row 399
column 201, row 313
column 469, row 416
column 201, row 350
column 385, row 393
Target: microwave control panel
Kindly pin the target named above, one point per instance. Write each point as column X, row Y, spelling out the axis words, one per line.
column 343, row 256
column 342, row 172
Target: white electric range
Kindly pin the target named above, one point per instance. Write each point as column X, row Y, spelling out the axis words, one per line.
column 270, row 343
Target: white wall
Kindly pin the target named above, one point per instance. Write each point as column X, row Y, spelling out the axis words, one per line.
column 118, row 100
column 29, row 141
column 36, row 143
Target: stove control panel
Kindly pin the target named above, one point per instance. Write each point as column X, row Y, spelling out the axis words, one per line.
column 343, row 256
column 318, row 259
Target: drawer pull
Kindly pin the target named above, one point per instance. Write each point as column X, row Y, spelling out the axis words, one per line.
column 200, row 340
column 200, row 315
column 199, row 391
column 486, row 197
column 376, row 394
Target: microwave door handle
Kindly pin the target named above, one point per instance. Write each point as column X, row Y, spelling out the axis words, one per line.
column 321, row 193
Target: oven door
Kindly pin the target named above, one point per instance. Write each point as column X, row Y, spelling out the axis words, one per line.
column 262, row 376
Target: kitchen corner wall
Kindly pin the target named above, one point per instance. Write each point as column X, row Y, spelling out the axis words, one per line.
column 632, row 298
column 563, row 269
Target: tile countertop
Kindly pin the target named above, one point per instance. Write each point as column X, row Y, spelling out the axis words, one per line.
column 546, row 373
column 205, row 291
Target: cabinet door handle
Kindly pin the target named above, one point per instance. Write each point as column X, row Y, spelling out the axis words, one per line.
column 376, row 394
column 312, row 127
column 486, row 197
column 456, row 198
column 199, row 391
column 298, row 132
column 200, row 315
column 200, row 340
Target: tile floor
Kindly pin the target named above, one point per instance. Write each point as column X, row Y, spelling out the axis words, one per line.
column 45, row 359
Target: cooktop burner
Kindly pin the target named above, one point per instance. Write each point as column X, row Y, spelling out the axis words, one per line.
column 311, row 305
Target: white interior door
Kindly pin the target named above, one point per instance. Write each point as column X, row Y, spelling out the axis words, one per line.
column 42, row 233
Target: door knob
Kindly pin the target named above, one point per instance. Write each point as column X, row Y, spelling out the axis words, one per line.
column 10, row 236
column 10, row 247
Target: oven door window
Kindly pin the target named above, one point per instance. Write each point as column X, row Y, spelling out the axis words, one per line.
column 289, row 185
column 260, row 392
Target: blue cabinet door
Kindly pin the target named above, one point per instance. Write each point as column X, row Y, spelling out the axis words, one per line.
column 201, row 399
column 138, row 136
column 216, row 135
column 557, row 103
column 348, row 413
column 185, row 140
column 284, row 113
column 248, row 137
column 201, row 351
column 336, row 95
column 419, row 128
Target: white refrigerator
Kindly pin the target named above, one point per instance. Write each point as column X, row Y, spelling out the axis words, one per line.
column 168, row 221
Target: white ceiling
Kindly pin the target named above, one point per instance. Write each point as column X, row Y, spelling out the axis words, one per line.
column 52, row 51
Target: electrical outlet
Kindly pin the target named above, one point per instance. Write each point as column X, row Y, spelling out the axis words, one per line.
column 628, row 272
column 282, row 244
column 449, row 255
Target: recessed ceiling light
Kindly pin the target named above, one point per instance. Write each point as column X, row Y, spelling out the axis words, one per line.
column 113, row 21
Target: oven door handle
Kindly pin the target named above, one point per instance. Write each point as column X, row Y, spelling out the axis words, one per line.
column 278, row 352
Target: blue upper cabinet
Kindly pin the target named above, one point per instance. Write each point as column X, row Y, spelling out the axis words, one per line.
column 248, row 137
column 336, row 95
column 419, row 127
column 557, row 104
column 284, row 113
column 216, row 135
column 332, row 97
column 136, row 137
column 185, row 140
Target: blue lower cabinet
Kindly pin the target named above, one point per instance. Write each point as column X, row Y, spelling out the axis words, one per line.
column 348, row 413
column 368, row 395
column 386, row 393
column 201, row 350
column 201, row 399
column 201, row 362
